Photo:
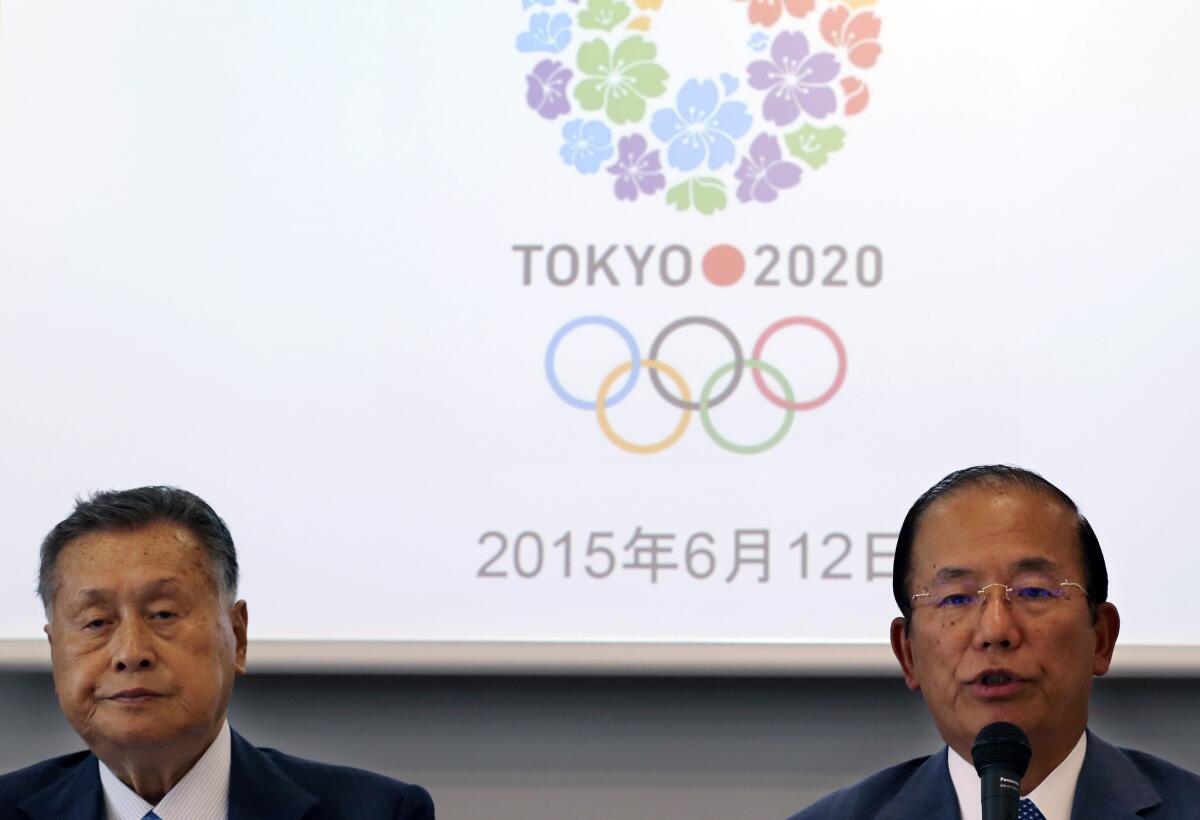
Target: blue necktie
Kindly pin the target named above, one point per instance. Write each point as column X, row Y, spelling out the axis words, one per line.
column 150, row 815
column 1027, row 811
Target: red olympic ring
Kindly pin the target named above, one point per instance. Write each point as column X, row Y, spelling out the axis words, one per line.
column 837, row 346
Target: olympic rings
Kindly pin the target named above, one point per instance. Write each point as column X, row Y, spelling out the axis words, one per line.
column 560, row 391
column 720, row 328
column 837, row 380
column 745, row 449
column 706, row 400
column 602, row 415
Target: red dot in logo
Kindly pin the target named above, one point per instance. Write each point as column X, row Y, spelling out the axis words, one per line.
column 723, row 265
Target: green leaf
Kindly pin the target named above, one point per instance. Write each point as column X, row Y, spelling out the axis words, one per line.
column 593, row 57
column 814, row 145
column 603, row 14
column 633, row 50
column 707, row 193
column 680, row 196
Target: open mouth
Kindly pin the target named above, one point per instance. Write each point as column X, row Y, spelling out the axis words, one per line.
column 997, row 683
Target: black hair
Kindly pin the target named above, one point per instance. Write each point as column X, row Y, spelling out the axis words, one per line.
column 1095, row 579
column 132, row 510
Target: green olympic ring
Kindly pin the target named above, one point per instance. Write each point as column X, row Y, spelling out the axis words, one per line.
column 732, row 446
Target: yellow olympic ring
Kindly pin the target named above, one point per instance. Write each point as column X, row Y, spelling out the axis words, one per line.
column 602, row 414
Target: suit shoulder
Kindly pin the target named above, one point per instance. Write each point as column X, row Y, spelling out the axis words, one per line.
column 24, row 782
column 864, row 798
column 328, row 780
column 1173, row 782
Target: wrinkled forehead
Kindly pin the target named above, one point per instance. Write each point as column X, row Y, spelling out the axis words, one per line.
column 993, row 532
column 116, row 558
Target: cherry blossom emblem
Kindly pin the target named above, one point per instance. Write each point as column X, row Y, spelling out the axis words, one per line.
column 746, row 134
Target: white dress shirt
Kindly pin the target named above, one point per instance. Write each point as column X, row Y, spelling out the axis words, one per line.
column 202, row 794
column 1054, row 796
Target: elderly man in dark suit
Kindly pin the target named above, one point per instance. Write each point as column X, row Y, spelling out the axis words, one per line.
column 146, row 637
column 1004, row 595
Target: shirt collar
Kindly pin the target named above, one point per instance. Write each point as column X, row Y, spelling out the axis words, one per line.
column 202, row 794
column 1054, row 796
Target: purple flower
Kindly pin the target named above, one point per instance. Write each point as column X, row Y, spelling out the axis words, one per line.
column 795, row 80
column 548, row 89
column 636, row 169
column 765, row 171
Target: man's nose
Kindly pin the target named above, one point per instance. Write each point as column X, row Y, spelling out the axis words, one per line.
column 133, row 646
column 997, row 627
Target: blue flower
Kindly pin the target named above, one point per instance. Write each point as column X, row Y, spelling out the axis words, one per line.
column 698, row 128
column 588, row 145
column 546, row 33
column 758, row 40
column 525, row 4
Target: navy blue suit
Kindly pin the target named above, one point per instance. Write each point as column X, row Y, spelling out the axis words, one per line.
column 1114, row 784
column 264, row 784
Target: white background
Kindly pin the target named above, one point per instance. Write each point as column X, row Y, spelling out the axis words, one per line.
column 263, row 251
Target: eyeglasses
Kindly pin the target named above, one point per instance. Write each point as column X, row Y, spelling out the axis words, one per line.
column 1028, row 593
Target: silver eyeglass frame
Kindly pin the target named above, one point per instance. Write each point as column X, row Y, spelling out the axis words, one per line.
column 982, row 592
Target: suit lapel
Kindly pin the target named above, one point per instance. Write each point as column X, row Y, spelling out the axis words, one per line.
column 77, row 795
column 258, row 790
column 1110, row 785
column 928, row 794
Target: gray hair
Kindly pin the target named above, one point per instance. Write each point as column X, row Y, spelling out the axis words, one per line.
column 131, row 510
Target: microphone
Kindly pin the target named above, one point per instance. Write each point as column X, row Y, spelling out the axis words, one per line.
column 1001, row 754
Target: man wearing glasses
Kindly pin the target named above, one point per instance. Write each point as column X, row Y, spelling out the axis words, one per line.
column 1003, row 590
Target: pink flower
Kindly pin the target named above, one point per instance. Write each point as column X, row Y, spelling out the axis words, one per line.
column 857, row 95
column 766, row 13
column 857, row 34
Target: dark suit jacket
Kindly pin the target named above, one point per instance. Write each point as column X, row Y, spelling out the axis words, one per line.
column 1114, row 784
column 264, row 784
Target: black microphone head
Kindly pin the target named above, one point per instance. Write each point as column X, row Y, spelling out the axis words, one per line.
column 1001, row 744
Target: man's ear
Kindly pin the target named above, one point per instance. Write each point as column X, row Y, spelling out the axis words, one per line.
column 53, row 666
column 902, row 649
column 1107, row 626
column 239, row 617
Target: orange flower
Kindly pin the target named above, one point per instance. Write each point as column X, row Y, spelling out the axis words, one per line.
column 859, row 34
column 766, row 13
column 856, row 93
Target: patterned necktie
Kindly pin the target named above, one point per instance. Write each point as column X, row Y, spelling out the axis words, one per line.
column 1027, row 811
column 150, row 815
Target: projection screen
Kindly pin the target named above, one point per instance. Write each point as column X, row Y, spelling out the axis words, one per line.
column 598, row 335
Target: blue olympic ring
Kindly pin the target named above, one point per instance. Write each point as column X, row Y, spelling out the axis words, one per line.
column 612, row 324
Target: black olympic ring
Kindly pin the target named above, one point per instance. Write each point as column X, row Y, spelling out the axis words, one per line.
column 738, row 361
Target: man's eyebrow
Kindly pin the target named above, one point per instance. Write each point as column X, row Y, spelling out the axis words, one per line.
column 953, row 574
column 162, row 585
column 90, row 595
column 1037, row 564
column 1032, row 564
